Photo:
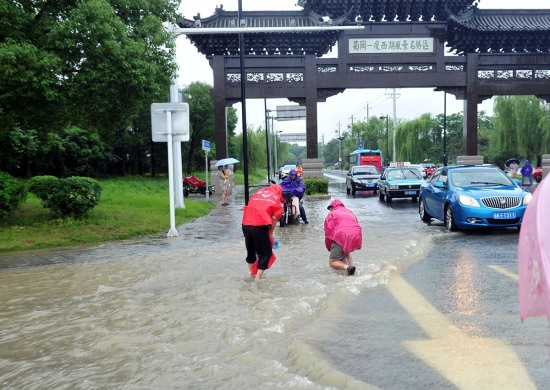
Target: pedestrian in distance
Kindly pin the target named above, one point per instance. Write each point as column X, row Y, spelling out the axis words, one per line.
column 224, row 183
column 343, row 235
column 514, row 169
column 295, row 187
column 527, row 173
column 260, row 217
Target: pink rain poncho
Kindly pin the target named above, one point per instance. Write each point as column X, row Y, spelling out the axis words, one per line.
column 534, row 255
column 342, row 227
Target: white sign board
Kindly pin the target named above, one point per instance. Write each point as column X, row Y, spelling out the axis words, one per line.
column 291, row 113
column 391, row 45
column 205, row 145
column 180, row 121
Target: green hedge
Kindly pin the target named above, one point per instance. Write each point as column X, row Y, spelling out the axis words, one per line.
column 41, row 185
column 316, row 186
column 74, row 196
column 12, row 193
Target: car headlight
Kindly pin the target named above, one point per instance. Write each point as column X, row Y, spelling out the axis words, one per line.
column 527, row 199
column 468, row 201
column 394, row 187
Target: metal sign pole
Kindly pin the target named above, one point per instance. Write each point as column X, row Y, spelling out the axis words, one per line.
column 173, row 232
column 206, row 165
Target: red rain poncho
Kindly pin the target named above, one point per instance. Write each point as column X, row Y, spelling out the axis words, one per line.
column 263, row 205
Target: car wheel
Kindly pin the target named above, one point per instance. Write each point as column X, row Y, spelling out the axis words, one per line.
column 424, row 216
column 388, row 198
column 352, row 189
column 538, row 179
column 347, row 189
column 449, row 219
column 380, row 195
column 414, row 199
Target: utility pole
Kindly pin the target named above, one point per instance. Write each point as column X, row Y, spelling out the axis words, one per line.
column 394, row 95
column 351, row 129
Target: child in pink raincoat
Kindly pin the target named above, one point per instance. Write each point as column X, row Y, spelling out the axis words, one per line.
column 342, row 236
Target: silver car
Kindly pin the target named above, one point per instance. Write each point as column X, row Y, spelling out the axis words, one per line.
column 284, row 171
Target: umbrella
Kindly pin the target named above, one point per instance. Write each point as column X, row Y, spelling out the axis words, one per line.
column 226, row 161
column 534, row 256
column 510, row 161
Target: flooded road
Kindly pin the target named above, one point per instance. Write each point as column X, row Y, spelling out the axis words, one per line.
column 182, row 313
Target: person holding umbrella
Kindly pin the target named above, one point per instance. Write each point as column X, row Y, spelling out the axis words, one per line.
column 224, row 177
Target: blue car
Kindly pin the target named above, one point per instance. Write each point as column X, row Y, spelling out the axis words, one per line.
column 473, row 196
column 400, row 182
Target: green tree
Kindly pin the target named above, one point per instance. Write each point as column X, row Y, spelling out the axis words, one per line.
column 93, row 64
column 73, row 152
column 520, row 128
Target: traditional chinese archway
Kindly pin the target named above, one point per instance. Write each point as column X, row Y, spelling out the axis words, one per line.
column 402, row 45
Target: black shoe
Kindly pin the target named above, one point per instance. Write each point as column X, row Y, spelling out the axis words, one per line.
column 306, row 222
column 351, row 270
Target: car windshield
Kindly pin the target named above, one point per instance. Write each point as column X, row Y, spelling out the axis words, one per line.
column 479, row 178
column 396, row 174
column 366, row 171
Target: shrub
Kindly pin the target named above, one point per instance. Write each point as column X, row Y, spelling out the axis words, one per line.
column 12, row 193
column 316, row 186
column 41, row 185
column 74, row 196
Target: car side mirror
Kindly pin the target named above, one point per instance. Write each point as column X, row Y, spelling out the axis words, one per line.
column 439, row 184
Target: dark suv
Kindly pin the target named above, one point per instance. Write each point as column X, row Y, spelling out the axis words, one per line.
column 362, row 178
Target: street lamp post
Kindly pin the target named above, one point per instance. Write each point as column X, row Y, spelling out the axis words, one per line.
column 276, row 167
column 387, row 125
column 267, row 117
column 444, row 128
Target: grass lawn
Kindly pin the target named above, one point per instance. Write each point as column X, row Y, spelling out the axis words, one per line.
column 129, row 207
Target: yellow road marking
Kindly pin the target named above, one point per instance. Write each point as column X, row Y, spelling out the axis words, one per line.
column 467, row 362
column 505, row 272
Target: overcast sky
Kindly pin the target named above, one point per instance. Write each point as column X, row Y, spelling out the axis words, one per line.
column 337, row 110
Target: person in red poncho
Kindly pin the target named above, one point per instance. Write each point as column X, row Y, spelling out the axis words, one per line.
column 260, row 217
column 342, row 236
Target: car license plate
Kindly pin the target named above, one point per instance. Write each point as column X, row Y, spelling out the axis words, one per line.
column 369, row 185
column 410, row 192
column 505, row 215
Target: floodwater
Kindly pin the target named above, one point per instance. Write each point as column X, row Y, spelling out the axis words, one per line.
column 182, row 313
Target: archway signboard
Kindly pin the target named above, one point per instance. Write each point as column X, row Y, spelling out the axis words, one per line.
column 493, row 52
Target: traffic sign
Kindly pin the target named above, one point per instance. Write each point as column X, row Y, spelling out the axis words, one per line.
column 360, row 145
column 179, row 119
column 205, row 145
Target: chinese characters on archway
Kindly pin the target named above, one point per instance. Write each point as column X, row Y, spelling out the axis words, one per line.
column 391, row 45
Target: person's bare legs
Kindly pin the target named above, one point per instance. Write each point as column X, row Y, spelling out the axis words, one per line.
column 339, row 265
column 259, row 275
column 295, row 206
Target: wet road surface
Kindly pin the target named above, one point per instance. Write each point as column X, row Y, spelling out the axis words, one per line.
column 427, row 309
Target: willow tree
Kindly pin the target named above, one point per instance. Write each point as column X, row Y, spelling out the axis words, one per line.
column 520, row 127
column 414, row 138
